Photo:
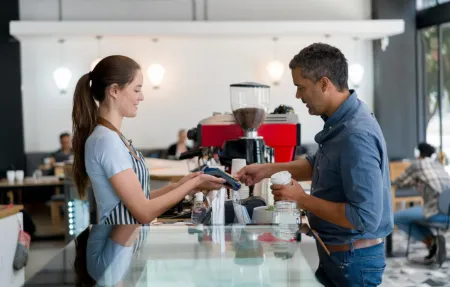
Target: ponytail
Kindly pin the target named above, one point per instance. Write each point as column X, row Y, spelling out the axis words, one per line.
column 84, row 120
column 111, row 70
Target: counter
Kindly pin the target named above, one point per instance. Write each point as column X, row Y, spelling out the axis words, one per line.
column 181, row 255
column 10, row 222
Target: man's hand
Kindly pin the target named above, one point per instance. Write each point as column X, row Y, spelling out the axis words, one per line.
column 292, row 192
column 254, row 173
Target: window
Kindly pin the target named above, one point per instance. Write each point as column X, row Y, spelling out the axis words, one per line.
column 445, row 93
column 424, row 4
column 429, row 39
column 436, row 60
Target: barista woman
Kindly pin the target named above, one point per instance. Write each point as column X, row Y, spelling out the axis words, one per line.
column 107, row 160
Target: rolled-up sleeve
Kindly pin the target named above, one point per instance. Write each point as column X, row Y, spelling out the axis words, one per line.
column 311, row 159
column 362, row 179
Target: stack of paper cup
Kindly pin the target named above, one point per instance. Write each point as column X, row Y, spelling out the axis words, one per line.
column 236, row 165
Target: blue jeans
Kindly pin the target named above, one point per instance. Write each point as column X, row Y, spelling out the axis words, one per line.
column 360, row 267
column 404, row 218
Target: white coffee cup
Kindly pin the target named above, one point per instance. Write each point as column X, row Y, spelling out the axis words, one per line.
column 282, row 177
column 10, row 175
column 47, row 161
column 237, row 164
column 19, row 175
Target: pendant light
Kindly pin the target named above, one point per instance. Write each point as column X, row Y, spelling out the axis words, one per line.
column 155, row 72
column 62, row 75
column 275, row 68
column 99, row 58
column 355, row 70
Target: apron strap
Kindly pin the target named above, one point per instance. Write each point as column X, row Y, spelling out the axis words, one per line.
column 104, row 122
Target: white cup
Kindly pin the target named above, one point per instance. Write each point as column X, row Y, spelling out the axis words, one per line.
column 10, row 175
column 282, row 177
column 237, row 164
column 47, row 161
column 19, row 176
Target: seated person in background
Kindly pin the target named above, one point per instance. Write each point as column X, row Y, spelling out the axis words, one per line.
column 430, row 179
column 180, row 146
column 64, row 153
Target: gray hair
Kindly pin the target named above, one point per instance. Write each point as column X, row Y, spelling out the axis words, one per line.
column 321, row 60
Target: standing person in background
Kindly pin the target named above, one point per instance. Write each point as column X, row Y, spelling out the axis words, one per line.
column 430, row 179
column 350, row 204
column 106, row 159
column 180, row 146
column 65, row 151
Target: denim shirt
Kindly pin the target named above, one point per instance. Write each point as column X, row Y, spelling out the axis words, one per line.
column 351, row 166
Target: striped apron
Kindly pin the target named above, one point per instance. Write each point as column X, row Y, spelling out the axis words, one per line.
column 120, row 214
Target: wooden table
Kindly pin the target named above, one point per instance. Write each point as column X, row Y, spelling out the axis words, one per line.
column 7, row 210
column 30, row 182
column 167, row 170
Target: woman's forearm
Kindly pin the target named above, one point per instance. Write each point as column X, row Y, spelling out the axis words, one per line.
column 157, row 206
column 161, row 191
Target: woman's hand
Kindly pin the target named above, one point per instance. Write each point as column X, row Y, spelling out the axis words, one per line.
column 202, row 182
column 188, row 177
column 208, row 182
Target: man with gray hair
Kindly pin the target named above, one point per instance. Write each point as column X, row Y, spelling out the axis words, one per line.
column 350, row 203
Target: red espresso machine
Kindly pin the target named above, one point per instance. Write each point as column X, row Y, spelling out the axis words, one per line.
column 250, row 132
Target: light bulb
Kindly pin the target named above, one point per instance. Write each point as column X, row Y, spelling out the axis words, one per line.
column 276, row 70
column 94, row 63
column 355, row 74
column 155, row 73
column 62, row 77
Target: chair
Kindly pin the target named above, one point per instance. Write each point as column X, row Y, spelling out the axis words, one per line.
column 402, row 195
column 444, row 208
column 56, row 203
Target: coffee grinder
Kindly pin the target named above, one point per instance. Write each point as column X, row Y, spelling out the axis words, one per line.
column 250, row 104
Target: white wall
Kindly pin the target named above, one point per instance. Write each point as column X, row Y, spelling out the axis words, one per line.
column 137, row 10
column 198, row 71
column 198, row 75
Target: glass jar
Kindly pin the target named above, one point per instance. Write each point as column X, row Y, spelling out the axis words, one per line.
column 287, row 217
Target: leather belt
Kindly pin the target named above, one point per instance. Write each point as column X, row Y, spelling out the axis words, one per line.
column 358, row 244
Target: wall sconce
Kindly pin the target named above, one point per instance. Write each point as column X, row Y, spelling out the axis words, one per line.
column 155, row 73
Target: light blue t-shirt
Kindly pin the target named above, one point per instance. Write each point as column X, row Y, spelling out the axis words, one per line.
column 105, row 156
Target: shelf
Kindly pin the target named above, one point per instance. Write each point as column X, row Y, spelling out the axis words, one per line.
column 363, row 29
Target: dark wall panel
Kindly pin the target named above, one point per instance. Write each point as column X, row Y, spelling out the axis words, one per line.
column 395, row 83
column 11, row 123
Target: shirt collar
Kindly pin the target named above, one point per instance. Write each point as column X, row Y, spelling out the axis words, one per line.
column 343, row 109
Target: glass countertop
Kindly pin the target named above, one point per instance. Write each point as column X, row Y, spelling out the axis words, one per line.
column 178, row 255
